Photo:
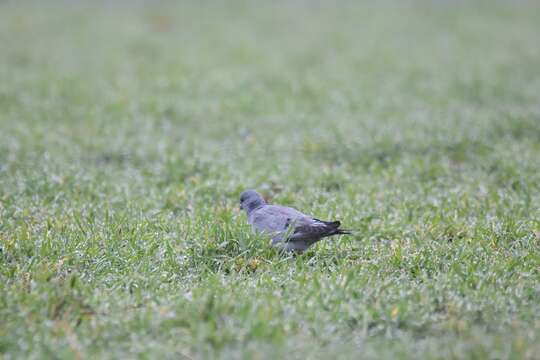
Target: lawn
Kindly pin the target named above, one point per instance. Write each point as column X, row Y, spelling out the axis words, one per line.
column 129, row 129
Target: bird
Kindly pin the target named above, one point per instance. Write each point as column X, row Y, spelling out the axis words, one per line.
column 291, row 230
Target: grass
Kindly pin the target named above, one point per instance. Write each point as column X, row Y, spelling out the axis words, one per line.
column 129, row 131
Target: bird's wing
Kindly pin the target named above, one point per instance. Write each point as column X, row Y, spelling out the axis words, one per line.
column 296, row 226
column 313, row 229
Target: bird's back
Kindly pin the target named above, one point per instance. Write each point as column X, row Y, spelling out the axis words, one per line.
column 274, row 218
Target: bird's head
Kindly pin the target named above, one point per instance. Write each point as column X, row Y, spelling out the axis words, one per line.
column 251, row 200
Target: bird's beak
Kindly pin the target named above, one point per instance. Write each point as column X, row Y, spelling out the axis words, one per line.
column 241, row 207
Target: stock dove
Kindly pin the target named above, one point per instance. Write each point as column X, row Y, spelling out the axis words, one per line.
column 290, row 229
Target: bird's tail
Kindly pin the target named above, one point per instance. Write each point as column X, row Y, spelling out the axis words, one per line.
column 334, row 227
column 343, row 232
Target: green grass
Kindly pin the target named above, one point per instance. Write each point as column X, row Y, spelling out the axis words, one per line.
column 127, row 133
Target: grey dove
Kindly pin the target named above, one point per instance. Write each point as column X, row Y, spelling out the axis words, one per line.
column 290, row 230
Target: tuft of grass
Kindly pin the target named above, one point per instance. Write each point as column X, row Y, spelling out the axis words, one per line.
column 128, row 131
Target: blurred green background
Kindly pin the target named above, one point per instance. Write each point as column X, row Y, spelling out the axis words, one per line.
column 129, row 129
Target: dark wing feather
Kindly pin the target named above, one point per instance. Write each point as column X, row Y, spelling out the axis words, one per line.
column 315, row 229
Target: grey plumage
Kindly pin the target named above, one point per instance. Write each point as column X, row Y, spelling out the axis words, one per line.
column 290, row 229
